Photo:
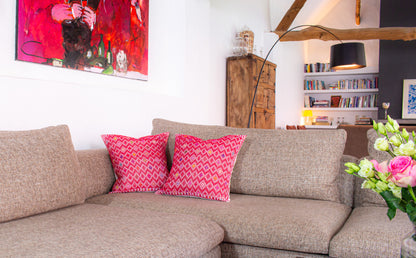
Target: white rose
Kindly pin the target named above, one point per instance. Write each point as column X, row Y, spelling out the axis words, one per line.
column 381, row 144
column 395, row 140
column 406, row 149
column 366, row 169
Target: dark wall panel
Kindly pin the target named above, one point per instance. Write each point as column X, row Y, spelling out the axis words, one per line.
column 397, row 58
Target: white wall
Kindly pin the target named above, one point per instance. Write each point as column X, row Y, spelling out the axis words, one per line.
column 189, row 41
column 33, row 96
column 231, row 16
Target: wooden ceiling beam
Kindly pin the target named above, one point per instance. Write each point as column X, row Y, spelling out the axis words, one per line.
column 357, row 12
column 290, row 15
column 387, row 33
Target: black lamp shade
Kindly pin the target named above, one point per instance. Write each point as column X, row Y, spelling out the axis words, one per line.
column 347, row 56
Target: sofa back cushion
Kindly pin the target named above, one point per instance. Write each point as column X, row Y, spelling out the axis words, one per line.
column 373, row 153
column 301, row 163
column 367, row 197
column 97, row 169
column 39, row 172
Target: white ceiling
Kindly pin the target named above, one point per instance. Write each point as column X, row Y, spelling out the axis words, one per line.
column 311, row 13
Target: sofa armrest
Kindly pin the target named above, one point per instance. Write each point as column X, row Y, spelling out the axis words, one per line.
column 346, row 181
column 98, row 171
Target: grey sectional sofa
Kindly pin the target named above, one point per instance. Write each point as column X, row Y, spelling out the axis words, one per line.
column 290, row 197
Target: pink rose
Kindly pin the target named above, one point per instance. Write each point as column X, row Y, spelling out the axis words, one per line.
column 403, row 170
column 400, row 164
column 380, row 167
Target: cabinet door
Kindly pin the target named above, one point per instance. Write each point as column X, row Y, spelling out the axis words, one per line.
column 238, row 93
column 270, row 96
column 263, row 119
column 268, row 75
column 242, row 75
column 265, row 98
column 261, row 98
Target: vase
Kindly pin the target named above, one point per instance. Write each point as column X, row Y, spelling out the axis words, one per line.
column 408, row 248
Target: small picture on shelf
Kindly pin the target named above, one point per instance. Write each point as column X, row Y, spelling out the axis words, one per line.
column 409, row 99
column 335, row 101
column 307, row 100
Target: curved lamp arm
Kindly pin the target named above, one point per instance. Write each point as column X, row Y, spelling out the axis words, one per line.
column 265, row 59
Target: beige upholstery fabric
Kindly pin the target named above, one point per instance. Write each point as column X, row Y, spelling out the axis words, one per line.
column 283, row 223
column 373, row 153
column 366, row 197
column 369, row 233
column 235, row 251
column 287, row 163
column 89, row 230
column 39, row 172
column 97, row 170
column 214, row 253
column 346, row 182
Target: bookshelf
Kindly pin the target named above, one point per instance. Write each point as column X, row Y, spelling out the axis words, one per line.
column 353, row 94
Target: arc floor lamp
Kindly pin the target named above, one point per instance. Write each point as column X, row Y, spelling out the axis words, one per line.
column 344, row 56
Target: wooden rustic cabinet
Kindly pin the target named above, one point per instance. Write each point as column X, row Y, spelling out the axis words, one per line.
column 242, row 72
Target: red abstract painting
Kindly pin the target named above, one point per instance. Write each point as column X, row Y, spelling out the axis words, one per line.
column 102, row 36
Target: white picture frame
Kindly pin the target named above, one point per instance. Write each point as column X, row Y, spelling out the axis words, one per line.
column 409, row 99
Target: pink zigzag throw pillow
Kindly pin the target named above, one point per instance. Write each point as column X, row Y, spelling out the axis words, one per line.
column 203, row 168
column 139, row 164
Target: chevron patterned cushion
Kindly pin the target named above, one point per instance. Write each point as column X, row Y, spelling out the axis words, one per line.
column 139, row 164
column 203, row 168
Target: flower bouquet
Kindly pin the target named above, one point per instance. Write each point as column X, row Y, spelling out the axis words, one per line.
column 394, row 180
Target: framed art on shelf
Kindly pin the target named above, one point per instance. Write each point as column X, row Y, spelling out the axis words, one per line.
column 409, row 99
column 107, row 37
column 335, row 100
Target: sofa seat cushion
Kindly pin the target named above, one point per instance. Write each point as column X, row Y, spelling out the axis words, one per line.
column 234, row 250
column 90, row 230
column 272, row 222
column 369, row 233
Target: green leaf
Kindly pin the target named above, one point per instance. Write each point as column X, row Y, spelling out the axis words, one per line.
column 411, row 211
column 391, row 213
column 392, row 201
column 405, row 194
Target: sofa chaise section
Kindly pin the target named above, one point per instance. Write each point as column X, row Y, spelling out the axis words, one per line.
column 43, row 186
column 89, row 230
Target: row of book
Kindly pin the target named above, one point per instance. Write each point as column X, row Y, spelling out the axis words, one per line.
column 317, row 68
column 311, row 102
column 314, row 85
column 359, row 102
column 363, row 120
column 352, row 102
column 341, row 84
column 357, row 84
column 321, row 120
column 324, row 120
